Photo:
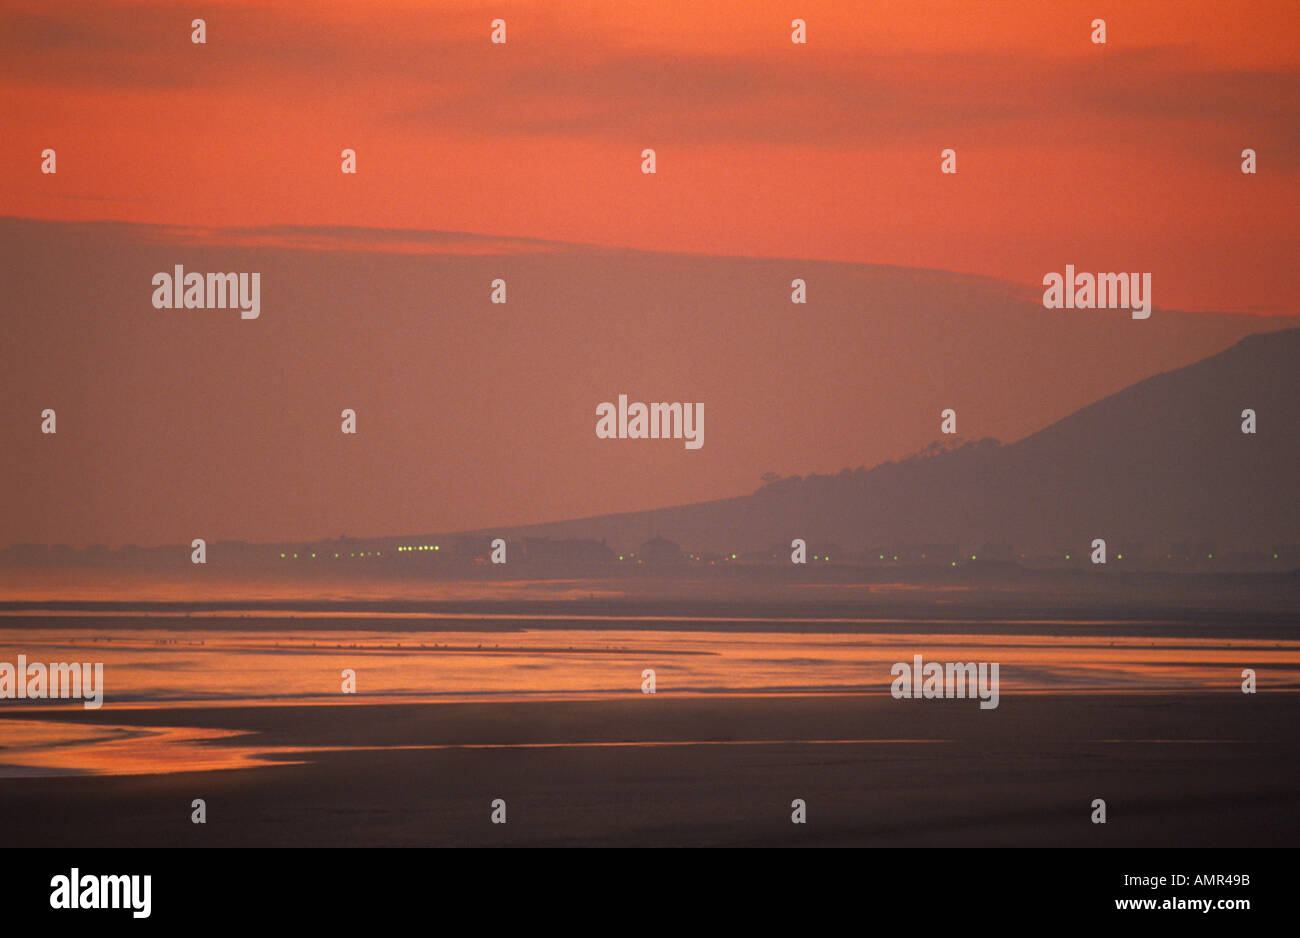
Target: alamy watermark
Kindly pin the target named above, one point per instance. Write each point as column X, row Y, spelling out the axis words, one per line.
column 952, row 679
column 1098, row 291
column 57, row 680
column 179, row 290
column 662, row 421
column 75, row 891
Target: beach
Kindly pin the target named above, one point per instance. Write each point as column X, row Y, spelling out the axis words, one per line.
column 248, row 706
column 1174, row 770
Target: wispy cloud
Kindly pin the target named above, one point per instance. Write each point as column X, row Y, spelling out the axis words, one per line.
column 434, row 71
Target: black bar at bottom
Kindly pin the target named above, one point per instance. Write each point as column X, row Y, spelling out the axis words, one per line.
column 645, row 889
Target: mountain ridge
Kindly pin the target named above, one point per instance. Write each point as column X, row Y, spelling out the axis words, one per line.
column 1050, row 488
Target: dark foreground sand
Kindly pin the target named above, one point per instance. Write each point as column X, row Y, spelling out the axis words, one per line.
column 1197, row 770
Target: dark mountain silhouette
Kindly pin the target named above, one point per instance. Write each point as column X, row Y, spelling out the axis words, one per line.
column 1162, row 462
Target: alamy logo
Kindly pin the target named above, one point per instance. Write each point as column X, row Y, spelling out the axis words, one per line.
column 75, row 891
column 1098, row 291
column 638, row 421
column 179, row 290
column 952, row 679
column 36, row 680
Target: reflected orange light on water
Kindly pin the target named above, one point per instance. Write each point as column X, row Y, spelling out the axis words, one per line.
column 221, row 668
column 205, row 667
column 42, row 748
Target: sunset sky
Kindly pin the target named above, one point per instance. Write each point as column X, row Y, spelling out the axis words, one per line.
column 1124, row 156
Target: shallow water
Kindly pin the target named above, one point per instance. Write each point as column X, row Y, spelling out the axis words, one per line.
column 522, row 659
column 207, row 666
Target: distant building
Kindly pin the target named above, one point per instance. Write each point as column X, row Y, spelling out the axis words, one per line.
column 660, row 550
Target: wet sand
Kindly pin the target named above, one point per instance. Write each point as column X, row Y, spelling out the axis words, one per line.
column 1204, row 769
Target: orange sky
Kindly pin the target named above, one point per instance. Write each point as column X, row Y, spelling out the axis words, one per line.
column 1115, row 157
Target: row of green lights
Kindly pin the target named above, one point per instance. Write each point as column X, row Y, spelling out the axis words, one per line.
column 378, row 553
column 419, row 547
